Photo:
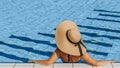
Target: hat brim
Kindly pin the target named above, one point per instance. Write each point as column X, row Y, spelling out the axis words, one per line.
column 61, row 40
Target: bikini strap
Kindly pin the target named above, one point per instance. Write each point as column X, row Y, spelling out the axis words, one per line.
column 68, row 58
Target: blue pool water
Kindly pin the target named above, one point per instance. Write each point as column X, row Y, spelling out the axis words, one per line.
column 27, row 27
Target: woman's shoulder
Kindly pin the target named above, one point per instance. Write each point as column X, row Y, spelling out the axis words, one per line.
column 57, row 51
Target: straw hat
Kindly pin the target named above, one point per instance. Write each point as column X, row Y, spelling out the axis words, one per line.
column 68, row 39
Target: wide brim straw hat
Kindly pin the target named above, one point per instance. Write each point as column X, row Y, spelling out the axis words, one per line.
column 68, row 29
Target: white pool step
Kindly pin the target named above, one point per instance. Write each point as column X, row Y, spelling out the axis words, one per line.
column 56, row 65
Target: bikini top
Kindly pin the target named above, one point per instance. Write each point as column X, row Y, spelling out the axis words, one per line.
column 66, row 58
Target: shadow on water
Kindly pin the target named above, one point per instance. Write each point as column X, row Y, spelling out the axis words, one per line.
column 41, row 52
column 29, row 49
column 98, row 53
column 46, row 34
column 100, row 19
column 102, row 10
column 34, row 51
column 32, row 40
column 25, row 60
column 14, row 57
column 98, row 43
column 98, row 28
column 110, row 15
column 95, row 35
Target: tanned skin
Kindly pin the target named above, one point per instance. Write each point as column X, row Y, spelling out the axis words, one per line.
column 85, row 57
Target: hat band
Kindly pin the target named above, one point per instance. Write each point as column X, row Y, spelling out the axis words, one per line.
column 77, row 43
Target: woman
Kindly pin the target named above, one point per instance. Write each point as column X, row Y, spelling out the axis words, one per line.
column 70, row 46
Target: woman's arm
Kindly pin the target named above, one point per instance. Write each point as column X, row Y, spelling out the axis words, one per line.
column 93, row 62
column 51, row 60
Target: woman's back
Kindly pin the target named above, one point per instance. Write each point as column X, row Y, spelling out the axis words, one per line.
column 66, row 57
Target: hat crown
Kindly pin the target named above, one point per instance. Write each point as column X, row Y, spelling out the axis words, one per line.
column 74, row 35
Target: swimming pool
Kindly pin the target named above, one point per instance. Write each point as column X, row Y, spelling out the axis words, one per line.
column 27, row 27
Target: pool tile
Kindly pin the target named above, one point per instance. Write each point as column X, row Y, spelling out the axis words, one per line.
column 7, row 65
column 24, row 65
column 63, row 65
column 43, row 66
column 81, row 65
column 116, row 65
column 104, row 66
